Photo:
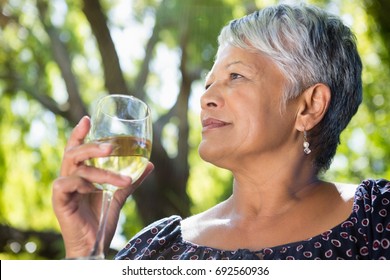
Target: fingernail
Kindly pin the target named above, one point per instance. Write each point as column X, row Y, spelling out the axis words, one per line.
column 82, row 119
column 150, row 170
column 105, row 146
column 126, row 178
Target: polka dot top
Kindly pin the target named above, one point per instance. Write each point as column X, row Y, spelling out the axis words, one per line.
column 364, row 235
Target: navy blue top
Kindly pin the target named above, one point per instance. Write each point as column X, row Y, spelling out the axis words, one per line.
column 364, row 235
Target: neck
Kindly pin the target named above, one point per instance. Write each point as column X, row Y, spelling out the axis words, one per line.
column 272, row 189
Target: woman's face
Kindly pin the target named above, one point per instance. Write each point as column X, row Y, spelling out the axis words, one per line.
column 241, row 111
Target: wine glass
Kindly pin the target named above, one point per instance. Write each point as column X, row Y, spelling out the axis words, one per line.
column 125, row 122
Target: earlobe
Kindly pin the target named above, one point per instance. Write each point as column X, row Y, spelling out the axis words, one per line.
column 314, row 104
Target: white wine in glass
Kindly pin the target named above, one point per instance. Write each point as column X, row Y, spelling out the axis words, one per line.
column 129, row 157
column 125, row 122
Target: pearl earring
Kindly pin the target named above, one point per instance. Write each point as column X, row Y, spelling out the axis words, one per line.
column 305, row 143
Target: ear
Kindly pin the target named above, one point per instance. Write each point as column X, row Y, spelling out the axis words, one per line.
column 314, row 102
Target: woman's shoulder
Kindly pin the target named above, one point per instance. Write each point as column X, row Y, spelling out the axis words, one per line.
column 152, row 238
column 372, row 202
column 197, row 227
column 371, row 189
column 366, row 189
column 164, row 226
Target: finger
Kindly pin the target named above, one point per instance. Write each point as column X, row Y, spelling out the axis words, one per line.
column 122, row 194
column 149, row 169
column 79, row 132
column 75, row 156
column 65, row 188
column 102, row 176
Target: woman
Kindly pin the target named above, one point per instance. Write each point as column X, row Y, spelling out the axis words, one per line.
column 285, row 83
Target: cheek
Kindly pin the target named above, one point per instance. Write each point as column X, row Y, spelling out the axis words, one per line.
column 265, row 126
column 253, row 134
column 259, row 121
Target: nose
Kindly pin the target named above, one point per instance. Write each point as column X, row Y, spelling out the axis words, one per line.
column 211, row 98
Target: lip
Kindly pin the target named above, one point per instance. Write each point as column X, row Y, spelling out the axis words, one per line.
column 211, row 123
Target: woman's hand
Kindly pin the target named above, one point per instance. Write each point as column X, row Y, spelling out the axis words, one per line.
column 76, row 201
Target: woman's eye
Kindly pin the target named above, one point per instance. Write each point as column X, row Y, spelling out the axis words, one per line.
column 234, row 76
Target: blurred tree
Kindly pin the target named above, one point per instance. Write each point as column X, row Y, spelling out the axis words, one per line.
column 365, row 147
column 49, row 56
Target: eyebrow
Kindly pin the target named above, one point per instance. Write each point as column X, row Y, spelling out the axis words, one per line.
column 209, row 74
column 243, row 63
column 234, row 63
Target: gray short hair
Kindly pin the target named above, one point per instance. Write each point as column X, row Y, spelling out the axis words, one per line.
column 309, row 46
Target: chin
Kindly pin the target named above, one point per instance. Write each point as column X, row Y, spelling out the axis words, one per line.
column 211, row 155
column 206, row 152
column 202, row 151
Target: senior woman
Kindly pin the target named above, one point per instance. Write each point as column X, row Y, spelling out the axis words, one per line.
column 285, row 83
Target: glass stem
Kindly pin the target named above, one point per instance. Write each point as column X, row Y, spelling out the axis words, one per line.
column 98, row 249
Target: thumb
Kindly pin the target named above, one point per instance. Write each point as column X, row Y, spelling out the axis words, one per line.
column 123, row 193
